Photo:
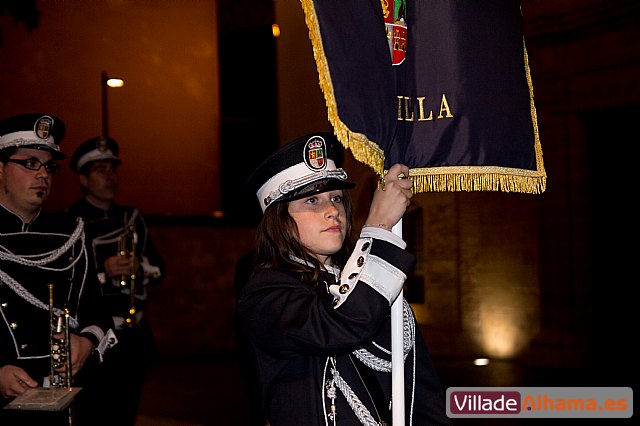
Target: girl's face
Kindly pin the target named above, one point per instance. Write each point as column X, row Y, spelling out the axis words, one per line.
column 321, row 222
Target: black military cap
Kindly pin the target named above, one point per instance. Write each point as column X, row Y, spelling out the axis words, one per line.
column 99, row 148
column 33, row 130
column 304, row 166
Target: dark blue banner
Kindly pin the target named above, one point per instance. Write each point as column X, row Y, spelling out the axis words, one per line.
column 441, row 86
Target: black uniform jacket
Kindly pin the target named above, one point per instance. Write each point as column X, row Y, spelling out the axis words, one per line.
column 104, row 229
column 299, row 333
column 48, row 250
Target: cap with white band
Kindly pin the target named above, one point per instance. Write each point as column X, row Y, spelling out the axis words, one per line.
column 34, row 131
column 99, row 148
column 302, row 167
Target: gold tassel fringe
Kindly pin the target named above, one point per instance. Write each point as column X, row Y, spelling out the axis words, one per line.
column 435, row 179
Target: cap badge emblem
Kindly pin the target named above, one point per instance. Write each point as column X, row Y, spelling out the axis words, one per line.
column 103, row 146
column 315, row 153
column 43, row 127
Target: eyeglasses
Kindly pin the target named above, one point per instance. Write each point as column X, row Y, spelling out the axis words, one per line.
column 35, row 164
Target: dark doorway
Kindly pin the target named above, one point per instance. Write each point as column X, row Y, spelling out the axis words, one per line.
column 613, row 221
column 248, row 100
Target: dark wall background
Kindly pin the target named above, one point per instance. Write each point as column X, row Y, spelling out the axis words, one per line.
column 167, row 115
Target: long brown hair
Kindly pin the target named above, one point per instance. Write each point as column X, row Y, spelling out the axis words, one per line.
column 278, row 239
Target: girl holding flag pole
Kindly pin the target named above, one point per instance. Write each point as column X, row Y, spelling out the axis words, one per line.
column 316, row 308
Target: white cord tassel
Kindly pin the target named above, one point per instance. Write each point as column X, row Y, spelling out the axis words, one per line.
column 332, row 394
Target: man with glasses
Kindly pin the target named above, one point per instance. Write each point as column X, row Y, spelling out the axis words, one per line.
column 127, row 264
column 39, row 248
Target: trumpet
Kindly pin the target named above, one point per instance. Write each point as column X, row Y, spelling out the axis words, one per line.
column 59, row 345
column 127, row 247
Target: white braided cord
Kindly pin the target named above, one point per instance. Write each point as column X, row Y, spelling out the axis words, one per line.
column 113, row 236
column 408, row 339
column 41, row 263
column 26, row 295
column 83, row 252
column 50, row 256
column 356, row 405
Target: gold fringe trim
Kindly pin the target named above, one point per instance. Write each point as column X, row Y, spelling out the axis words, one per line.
column 363, row 149
column 476, row 178
column 433, row 179
column 541, row 175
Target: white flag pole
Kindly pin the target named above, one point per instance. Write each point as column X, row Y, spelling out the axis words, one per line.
column 397, row 352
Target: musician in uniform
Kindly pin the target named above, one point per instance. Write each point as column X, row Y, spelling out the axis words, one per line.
column 316, row 307
column 127, row 264
column 38, row 248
